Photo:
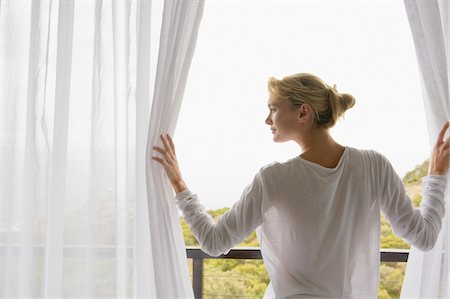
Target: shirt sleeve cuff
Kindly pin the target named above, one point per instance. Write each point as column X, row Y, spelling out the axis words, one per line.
column 185, row 198
column 183, row 194
column 439, row 181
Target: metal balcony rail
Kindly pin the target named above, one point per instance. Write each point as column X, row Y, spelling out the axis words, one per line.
column 251, row 253
column 194, row 253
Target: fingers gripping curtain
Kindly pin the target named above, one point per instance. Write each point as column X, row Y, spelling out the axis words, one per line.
column 75, row 216
column 427, row 273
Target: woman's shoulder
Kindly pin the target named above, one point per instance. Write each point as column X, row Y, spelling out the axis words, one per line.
column 272, row 170
column 277, row 166
column 367, row 155
column 270, row 167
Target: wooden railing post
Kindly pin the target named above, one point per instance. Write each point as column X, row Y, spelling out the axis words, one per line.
column 197, row 277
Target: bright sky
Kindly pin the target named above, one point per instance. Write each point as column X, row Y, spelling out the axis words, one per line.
column 365, row 47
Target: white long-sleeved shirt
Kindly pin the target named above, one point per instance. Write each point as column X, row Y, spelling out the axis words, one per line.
column 318, row 227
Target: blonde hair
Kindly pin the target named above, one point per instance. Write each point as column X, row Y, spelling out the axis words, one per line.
column 328, row 104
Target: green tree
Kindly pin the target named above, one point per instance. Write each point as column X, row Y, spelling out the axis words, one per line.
column 415, row 176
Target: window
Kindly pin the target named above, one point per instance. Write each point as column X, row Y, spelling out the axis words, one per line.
column 365, row 48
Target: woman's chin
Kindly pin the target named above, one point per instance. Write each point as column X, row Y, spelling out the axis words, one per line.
column 276, row 138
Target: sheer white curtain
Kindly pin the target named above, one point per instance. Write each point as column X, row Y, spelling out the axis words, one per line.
column 179, row 31
column 427, row 273
column 82, row 211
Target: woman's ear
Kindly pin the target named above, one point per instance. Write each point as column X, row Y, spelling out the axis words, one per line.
column 304, row 112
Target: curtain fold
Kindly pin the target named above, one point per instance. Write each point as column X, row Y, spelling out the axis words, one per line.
column 179, row 32
column 57, row 183
column 83, row 212
column 144, row 262
column 427, row 272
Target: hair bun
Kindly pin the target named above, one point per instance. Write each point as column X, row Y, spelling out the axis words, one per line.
column 346, row 101
column 339, row 103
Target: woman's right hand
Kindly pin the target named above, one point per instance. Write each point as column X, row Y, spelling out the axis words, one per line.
column 440, row 161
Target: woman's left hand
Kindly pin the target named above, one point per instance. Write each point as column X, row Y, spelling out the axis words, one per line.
column 170, row 163
column 440, row 160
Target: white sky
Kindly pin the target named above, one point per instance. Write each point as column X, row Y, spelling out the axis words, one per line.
column 365, row 47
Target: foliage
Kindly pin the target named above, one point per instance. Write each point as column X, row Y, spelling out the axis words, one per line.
column 414, row 176
column 388, row 239
column 391, row 280
column 233, row 278
column 226, row 278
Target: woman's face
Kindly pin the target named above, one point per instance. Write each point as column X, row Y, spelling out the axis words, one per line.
column 283, row 121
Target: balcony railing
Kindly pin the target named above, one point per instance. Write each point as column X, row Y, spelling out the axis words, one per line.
column 197, row 256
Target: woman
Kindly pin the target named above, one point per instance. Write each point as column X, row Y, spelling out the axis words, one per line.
column 317, row 214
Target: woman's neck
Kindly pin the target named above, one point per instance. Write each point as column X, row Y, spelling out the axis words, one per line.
column 319, row 147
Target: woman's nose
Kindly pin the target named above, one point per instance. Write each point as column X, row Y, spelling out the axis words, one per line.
column 268, row 121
